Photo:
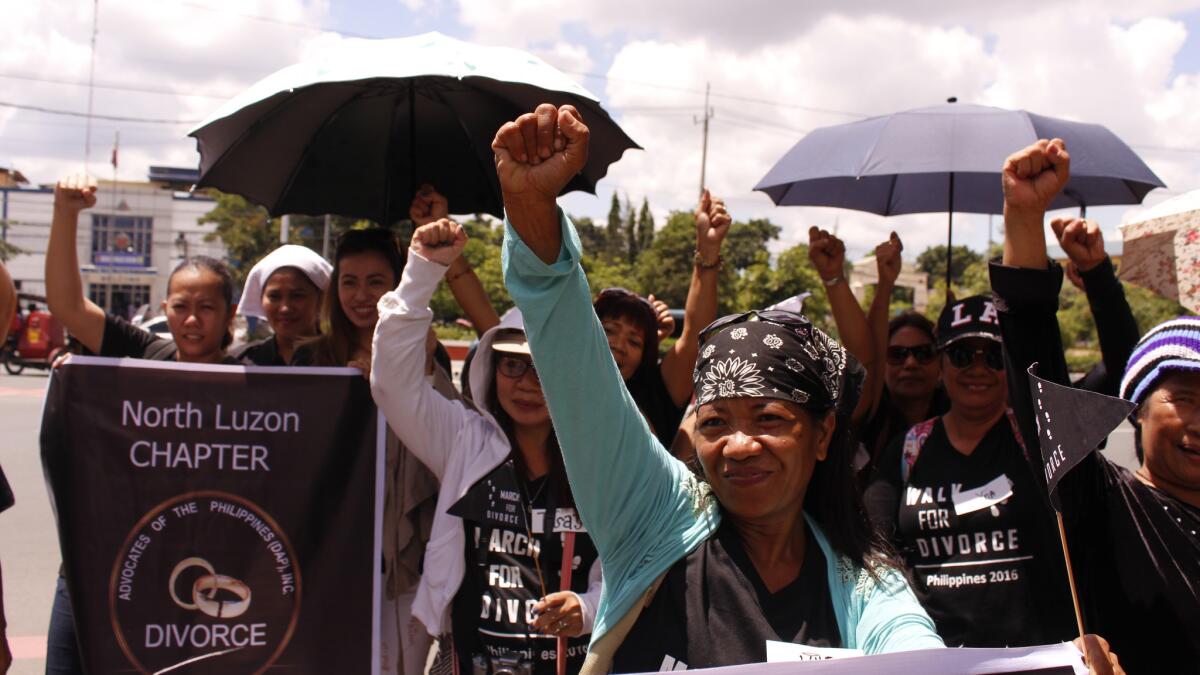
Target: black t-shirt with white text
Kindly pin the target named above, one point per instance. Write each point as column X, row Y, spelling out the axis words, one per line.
column 975, row 533
column 713, row 609
column 493, row 608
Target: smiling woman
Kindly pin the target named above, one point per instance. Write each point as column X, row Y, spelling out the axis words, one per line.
column 772, row 543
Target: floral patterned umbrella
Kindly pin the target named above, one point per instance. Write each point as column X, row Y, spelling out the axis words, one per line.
column 1162, row 250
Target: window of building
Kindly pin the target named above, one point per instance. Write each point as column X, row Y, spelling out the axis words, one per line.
column 122, row 241
column 123, row 300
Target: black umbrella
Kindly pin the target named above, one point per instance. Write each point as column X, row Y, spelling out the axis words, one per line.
column 357, row 131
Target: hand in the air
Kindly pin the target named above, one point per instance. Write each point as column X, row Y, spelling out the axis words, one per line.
column 441, row 241
column 662, row 314
column 74, row 193
column 540, row 152
column 827, row 253
column 559, row 614
column 1033, row 176
column 712, row 224
column 1081, row 240
column 427, row 206
column 888, row 260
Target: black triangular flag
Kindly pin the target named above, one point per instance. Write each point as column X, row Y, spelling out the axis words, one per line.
column 493, row 500
column 1071, row 424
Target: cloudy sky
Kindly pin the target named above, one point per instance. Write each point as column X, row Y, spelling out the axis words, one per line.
column 777, row 70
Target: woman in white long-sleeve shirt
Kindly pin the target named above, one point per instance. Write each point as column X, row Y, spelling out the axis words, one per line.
column 493, row 574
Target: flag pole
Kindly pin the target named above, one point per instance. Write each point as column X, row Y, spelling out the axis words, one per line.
column 1062, row 535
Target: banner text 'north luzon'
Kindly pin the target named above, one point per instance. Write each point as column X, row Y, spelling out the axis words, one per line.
column 223, row 456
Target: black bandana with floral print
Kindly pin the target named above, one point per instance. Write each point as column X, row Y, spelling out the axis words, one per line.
column 759, row 357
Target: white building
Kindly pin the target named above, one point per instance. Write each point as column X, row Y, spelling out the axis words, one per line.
column 128, row 243
column 865, row 273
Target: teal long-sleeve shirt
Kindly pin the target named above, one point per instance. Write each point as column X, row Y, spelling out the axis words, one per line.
column 644, row 509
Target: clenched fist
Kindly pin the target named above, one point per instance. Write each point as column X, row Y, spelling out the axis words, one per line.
column 540, row 152
column 441, row 241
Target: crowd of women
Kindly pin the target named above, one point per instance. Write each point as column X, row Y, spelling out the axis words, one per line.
column 757, row 481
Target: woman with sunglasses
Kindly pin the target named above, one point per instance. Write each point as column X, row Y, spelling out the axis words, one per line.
column 632, row 325
column 771, row 543
column 956, row 496
column 496, row 586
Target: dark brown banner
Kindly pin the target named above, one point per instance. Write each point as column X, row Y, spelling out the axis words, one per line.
column 217, row 519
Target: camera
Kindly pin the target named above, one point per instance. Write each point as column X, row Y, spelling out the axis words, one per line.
column 508, row 663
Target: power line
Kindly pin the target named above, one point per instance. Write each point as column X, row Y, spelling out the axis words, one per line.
column 280, row 22
column 111, row 118
column 114, row 87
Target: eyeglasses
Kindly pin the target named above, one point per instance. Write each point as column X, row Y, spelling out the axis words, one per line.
column 962, row 356
column 778, row 317
column 515, row 368
column 922, row 353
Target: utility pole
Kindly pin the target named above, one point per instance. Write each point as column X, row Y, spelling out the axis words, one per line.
column 87, row 136
column 325, row 238
column 284, row 228
column 708, row 115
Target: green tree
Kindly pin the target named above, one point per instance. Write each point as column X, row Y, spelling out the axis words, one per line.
column 933, row 261
column 9, row 250
column 614, row 240
column 629, row 228
column 645, row 226
column 591, row 236
column 245, row 229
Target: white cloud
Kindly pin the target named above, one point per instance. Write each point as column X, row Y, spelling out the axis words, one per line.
column 197, row 56
column 1106, row 62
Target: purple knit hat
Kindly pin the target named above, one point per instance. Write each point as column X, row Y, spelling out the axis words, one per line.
column 1171, row 346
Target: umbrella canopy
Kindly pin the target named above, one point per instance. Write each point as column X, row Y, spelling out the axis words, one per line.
column 1162, row 250
column 948, row 158
column 355, row 131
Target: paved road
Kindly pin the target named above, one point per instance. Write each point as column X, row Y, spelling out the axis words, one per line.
column 28, row 544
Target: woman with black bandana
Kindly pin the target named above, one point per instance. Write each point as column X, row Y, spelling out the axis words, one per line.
column 772, row 543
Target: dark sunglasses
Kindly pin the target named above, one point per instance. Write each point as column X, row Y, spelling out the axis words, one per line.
column 962, row 356
column 778, row 317
column 515, row 367
column 922, row 353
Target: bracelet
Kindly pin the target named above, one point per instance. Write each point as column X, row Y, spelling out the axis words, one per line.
column 829, row 283
column 456, row 277
column 703, row 264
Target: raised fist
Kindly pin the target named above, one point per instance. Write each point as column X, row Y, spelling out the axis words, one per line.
column 827, row 253
column 1032, row 177
column 539, row 153
column 441, row 241
column 1081, row 240
column 888, row 260
column 712, row 224
column 427, row 206
column 663, row 318
column 74, row 193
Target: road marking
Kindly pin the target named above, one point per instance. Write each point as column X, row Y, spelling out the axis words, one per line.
column 27, row 646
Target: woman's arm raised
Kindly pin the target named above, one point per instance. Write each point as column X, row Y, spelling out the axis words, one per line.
column 424, row 420
column 64, row 288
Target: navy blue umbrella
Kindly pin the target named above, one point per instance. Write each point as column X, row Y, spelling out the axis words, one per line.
column 948, row 158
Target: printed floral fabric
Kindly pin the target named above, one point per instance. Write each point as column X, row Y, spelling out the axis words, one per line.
column 762, row 358
column 1163, row 255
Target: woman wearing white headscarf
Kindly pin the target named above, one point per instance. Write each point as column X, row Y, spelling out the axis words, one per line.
column 285, row 289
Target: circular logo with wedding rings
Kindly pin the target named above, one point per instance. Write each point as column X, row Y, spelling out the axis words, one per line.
column 206, row 582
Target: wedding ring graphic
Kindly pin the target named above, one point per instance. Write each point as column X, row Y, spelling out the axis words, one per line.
column 205, row 590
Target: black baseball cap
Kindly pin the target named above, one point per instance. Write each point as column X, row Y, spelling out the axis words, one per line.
column 971, row 317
